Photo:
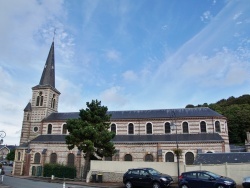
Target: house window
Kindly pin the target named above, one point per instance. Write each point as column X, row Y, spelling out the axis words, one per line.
column 128, row 157
column 203, row 127
column 49, row 131
column 131, row 128
column 53, row 158
column 149, row 128
column 37, row 158
column 71, row 159
column 169, row 157
column 167, row 127
column 149, row 158
column 113, row 128
column 189, row 158
column 64, row 130
column 217, row 127
column 185, row 127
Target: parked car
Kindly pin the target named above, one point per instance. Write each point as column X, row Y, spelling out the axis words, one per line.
column 146, row 177
column 246, row 182
column 204, row 179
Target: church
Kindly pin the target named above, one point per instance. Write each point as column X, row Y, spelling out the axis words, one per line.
column 141, row 135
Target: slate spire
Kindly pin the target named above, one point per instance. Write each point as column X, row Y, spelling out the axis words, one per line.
column 48, row 76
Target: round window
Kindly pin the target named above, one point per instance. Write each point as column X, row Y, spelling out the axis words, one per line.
column 35, row 129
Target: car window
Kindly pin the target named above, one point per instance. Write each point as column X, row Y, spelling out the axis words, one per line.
column 203, row 176
column 144, row 173
column 191, row 175
column 135, row 172
column 153, row 172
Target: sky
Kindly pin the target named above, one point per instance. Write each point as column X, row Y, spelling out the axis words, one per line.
column 130, row 55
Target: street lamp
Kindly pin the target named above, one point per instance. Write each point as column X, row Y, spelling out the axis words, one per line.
column 2, row 135
column 173, row 127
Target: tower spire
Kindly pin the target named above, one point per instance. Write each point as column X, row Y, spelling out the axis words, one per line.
column 48, row 75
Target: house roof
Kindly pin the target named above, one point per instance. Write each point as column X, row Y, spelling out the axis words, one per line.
column 143, row 114
column 220, row 158
column 10, row 147
column 208, row 137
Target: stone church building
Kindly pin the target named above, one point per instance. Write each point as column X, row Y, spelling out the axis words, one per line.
column 141, row 135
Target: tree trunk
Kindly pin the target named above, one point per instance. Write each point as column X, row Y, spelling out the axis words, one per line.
column 86, row 167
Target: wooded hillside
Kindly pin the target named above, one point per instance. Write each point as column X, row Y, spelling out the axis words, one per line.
column 237, row 112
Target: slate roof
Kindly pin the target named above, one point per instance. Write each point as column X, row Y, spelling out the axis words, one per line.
column 144, row 114
column 28, row 107
column 10, row 147
column 220, row 158
column 168, row 138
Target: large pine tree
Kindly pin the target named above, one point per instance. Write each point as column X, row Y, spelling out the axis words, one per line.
column 90, row 133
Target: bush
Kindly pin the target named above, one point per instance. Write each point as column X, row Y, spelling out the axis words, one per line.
column 59, row 171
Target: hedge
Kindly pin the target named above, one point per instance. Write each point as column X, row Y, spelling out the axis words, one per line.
column 59, row 171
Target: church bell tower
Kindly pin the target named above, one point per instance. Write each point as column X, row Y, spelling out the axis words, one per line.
column 44, row 101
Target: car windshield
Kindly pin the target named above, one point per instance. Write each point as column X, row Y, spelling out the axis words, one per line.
column 153, row 171
column 213, row 174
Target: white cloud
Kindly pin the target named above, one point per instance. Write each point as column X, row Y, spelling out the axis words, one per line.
column 129, row 75
column 206, row 16
column 113, row 97
column 113, row 55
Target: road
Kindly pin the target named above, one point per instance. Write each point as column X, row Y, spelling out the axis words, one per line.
column 15, row 182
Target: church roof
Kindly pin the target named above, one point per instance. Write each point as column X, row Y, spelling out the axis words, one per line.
column 28, row 107
column 208, row 137
column 48, row 75
column 220, row 158
column 144, row 114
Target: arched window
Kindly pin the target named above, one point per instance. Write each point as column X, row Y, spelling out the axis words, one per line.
column 167, row 127
column 41, row 101
column 71, row 159
column 149, row 158
column 169, row 157
column 128, row 157
column 37, row 158
column 64, row 130
column 37, row 100
column 149, row 128
column 185, row 127
column 217, row 127
column 53, row 158
column 203, row 127
column 189, row 158
column 49, row 131
column 53, row 100
column 131, row 128
column 113, row 128
column 19, row 156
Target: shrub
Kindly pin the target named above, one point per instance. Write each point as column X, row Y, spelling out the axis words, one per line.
column 60, row 171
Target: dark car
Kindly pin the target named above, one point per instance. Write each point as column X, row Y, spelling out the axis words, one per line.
column 246, row 182
column 146, row 177
column 204, row 179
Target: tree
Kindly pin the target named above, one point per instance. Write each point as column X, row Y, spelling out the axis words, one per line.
column 11, row 155
column 90, row 134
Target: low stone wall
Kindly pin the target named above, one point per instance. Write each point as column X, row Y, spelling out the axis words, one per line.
column 108, row 176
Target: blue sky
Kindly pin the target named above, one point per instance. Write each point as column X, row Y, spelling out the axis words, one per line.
column 131, row 55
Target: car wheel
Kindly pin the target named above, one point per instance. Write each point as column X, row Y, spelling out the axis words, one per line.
column 156, row 185
column 220, row 186
column 128, row 184
column 184, row 186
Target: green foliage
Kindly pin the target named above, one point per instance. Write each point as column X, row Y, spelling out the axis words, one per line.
column 177, row 152
column 237, row 112
column 11, row 155
column 59, row 171
column 90, row 133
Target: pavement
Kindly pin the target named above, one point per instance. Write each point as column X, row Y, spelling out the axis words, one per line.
column 75, row 182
